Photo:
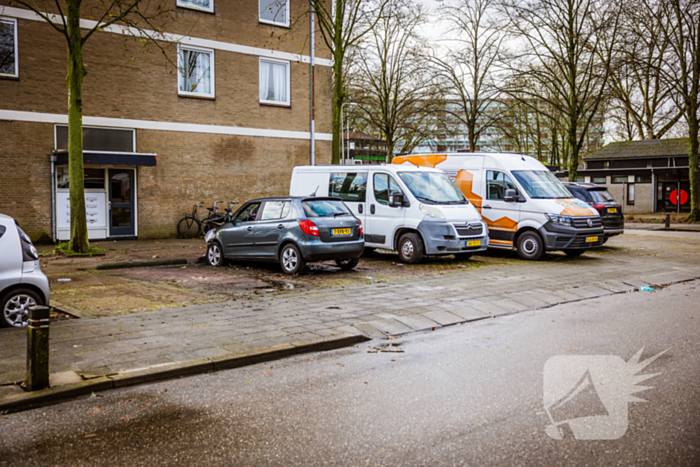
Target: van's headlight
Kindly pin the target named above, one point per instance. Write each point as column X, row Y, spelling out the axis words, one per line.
column 558, row 219
column 431, row 211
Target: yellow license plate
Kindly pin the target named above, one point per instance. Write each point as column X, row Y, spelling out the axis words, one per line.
column 591, row 239
column 473, row 243
column 341, row 232
column 612, row 210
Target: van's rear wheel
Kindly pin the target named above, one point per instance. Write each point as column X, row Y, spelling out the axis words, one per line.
column 530, row 246
column 410, row 248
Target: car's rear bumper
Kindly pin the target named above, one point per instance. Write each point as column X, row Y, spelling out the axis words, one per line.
column 316, row 250
column 35, row 277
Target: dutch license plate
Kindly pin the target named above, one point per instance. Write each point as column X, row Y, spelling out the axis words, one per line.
column 612, row 210
column 341, row 232
column 591, row 239
column 473, row 243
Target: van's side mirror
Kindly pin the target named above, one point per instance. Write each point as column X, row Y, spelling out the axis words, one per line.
column 511, row 196
column 395, row 199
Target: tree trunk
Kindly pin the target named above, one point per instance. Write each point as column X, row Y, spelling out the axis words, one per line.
column 694, row 171
column 573, row 147
column 74, row 80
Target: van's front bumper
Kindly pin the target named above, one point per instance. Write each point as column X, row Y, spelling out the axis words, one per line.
column 559, row 237
column 441, row 238
column 316, row 250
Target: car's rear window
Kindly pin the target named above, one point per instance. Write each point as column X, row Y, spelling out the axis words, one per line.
column 324, row 208
column 601, row 196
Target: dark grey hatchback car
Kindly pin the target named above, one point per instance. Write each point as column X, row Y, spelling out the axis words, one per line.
column 291, row 231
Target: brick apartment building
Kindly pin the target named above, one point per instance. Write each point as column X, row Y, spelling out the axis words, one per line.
column 228, row 122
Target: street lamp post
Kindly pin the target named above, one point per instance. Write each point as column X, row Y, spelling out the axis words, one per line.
column 342, row 138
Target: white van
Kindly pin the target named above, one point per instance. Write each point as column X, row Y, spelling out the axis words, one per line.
column 522, row 202
column 414, row 210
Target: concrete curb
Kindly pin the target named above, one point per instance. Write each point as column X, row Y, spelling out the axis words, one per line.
column 140, row 264
column 30, row 400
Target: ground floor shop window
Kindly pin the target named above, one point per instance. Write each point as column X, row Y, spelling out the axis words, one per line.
column 93, row 178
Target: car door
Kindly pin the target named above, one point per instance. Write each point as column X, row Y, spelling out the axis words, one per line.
column 271, row 226
column 382, row 219
column 239, row 237
column 501, row 217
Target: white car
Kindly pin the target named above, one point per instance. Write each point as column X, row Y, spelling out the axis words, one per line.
column 22, row 284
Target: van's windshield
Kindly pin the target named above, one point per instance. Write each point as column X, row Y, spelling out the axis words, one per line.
column 541, row 184
column 433, row 188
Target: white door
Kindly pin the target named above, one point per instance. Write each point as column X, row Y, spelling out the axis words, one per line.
column 501, row 217
column 351, row 187
column 382, row 219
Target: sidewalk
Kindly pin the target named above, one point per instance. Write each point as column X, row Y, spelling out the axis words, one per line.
column 672, row 228
column 168, row 342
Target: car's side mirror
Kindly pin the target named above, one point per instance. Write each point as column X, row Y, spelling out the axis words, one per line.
column 396, row 199
column 511, row 196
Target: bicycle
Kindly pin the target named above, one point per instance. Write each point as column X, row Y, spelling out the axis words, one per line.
column 193, row 225
column 214, row 220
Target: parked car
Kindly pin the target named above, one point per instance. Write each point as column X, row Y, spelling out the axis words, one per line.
column 291, row 231
column 600, row 198
column 22, row 284
column 524, row 205
column 413, row 210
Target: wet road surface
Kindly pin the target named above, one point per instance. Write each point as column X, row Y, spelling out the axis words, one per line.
column 467, row 395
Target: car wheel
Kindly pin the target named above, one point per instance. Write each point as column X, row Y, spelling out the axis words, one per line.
column 410, row 248
column 463, row 256
column 291, row 260
column 574, row 253
column 530, row 246
column 15, row 307
column 347, row 264
column 215, row 254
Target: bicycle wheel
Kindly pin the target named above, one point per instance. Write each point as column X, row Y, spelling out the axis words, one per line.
column 188, row 227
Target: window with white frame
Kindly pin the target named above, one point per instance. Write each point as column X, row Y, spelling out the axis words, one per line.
column 274, row 12
column 274, row 81
column 204, row 5
column 8, row 47
column 195, row 72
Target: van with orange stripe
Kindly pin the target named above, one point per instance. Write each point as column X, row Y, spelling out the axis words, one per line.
column 524, row 205
column 414, row 210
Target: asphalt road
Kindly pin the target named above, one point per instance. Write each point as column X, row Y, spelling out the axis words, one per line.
column 466, row 395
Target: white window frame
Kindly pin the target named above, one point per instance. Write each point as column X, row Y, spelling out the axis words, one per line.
column 212, row 74
column 275, row 23
column 289, row 83
column 13, row 22
column 181, row 4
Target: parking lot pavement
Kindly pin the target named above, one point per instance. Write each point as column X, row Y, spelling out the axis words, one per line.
column 115, row 344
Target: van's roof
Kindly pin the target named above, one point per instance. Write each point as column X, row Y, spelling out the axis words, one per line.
column 512, row 161
column 355, row 168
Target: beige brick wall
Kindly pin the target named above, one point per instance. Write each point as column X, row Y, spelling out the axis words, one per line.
column 195, row 167
column 146, row 88
column 25, row 174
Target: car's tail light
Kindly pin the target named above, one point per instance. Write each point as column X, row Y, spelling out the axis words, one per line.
column 361, row 231
column 598, row 206
column 309, row 228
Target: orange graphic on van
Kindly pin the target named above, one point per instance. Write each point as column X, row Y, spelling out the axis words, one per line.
column 503, row 223
column 465, row 183
column 575, row 208
column 427, row 160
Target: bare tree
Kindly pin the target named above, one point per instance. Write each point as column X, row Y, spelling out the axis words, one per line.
column 466, row 67
column 642, row 102
column 682, row 72
column 390, row 80
column 137, row 17
column 568, row 51
column 343, row 24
